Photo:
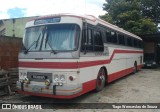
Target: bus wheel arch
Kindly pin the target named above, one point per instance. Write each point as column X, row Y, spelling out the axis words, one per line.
column 101, row 79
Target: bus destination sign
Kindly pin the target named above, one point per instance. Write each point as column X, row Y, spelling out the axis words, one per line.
column 47, row 20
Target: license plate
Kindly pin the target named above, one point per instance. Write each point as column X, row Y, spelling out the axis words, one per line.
column 36, row 89
column 39, row 77
column 148, row 64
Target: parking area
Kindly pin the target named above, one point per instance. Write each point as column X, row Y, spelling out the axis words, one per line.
column 142, row 87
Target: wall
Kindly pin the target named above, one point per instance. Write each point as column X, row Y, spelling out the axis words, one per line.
column 15, row 26
column 152, row 43
column 149, row 47
column 9, row 49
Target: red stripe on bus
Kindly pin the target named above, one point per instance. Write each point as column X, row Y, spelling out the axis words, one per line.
column 86, row 87
column 72, row 65
column 121, row 73
column 57, row 65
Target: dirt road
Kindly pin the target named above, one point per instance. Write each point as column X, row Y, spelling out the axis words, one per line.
column 142, row 87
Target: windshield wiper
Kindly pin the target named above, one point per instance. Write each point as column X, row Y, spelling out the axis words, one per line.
column 35, row 42
column 52, row 50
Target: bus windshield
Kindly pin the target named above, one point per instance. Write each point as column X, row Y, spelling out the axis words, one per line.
column 57, row 37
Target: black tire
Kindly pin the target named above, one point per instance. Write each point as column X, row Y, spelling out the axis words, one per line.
column 101, row 80
column 135, row 68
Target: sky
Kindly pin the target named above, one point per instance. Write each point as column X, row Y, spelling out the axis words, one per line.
column 27, row 8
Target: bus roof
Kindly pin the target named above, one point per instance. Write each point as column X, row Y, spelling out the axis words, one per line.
column 93, row 20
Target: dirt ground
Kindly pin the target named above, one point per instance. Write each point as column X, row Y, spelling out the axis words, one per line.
column 142, row 87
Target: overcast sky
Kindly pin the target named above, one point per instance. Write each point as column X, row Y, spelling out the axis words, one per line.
column 25, row 8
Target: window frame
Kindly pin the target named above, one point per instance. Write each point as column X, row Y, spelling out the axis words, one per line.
column 85, row 44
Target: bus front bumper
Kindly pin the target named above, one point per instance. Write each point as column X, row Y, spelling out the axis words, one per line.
column 54, row 91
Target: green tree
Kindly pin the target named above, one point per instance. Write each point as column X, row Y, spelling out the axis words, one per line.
column 151, row 9
column 128, row 15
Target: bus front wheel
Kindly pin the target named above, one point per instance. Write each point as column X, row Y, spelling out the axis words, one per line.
column 101, row 80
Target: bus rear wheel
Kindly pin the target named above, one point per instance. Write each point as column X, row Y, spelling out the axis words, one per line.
column 101, row 80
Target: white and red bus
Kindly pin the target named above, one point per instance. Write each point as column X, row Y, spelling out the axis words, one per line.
column 67, row 55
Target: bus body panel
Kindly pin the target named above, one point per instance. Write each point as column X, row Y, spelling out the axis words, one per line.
column 80, row 68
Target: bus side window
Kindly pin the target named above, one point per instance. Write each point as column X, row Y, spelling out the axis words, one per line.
column 108, row 36
column 121, row 39
column 114, row 37
column 87, row 40
column 98, row 42
column 140, row 44
column 135, row 43
column 84, row 40
column 89, row 37
column 129, row 41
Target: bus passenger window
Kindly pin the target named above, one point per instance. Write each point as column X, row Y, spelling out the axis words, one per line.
column 121, row 39
column 90, row 40
column 108, row 36
column 87, row 40
column 84, row 40
column 129, row 42
column 140, row 44
column 98, row 42
column 135, row 43
column 114, row 37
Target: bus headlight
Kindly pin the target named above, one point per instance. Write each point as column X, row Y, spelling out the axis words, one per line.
column 62, row 78
column 56, row 78
column 26, row 80
column 47, row 82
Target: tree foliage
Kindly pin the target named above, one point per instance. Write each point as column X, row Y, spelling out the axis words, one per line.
column 151, row 9
column 128, row 14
